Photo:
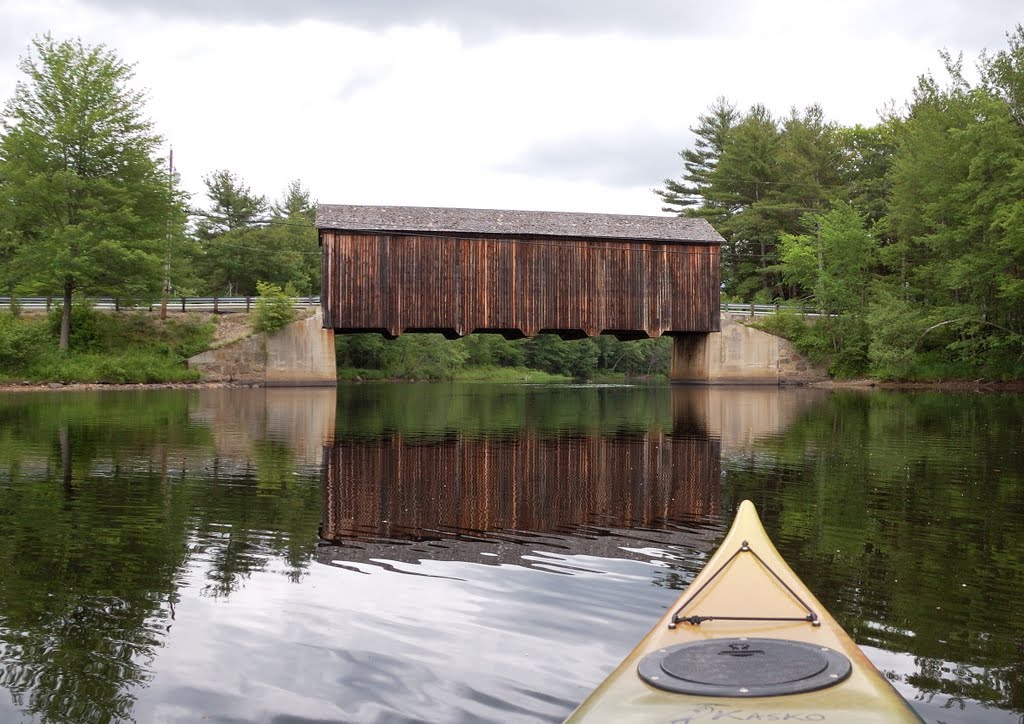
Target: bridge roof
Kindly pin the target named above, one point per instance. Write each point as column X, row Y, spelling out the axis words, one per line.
column 492, row 222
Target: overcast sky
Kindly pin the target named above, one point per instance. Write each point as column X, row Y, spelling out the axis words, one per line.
column 572, row 105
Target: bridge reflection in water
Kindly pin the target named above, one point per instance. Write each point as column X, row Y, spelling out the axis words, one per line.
column 403, row 488
column 649, row 470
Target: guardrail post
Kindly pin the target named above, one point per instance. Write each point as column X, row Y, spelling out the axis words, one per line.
column 183, row 304
column 214, row 304
column 751, row 309
column 48, row 304
column 247, row 303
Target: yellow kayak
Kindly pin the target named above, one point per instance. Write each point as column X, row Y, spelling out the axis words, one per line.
column 746, row 641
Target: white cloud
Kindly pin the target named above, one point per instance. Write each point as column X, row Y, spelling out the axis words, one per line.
column 475, row 20
column 426, row 108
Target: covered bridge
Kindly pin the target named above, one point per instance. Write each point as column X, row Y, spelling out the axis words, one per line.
column 395, row 269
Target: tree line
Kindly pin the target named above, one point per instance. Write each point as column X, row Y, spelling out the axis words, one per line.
column 420, row 356
column 89, row 207
column 908, row 234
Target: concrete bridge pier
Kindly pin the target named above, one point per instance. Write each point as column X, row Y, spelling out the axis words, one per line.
column 690, row 358
column 739, row 354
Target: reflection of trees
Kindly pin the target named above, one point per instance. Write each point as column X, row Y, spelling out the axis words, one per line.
column 1000, row 686
column 906, row 509
column 105, row 501
column 432, row 411
column 85, row 593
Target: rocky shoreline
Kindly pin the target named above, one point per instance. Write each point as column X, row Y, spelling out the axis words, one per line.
column 937, row 385
column 80, row 386
column 867, row 385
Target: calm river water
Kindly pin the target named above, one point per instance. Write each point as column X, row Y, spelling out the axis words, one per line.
column 462, row 553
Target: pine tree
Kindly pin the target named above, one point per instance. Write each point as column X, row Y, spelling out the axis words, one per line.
column 295, row 204
column 694, row 195
column 234, row 206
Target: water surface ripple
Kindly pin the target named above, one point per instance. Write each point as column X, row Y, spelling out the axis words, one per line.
column 481, row 553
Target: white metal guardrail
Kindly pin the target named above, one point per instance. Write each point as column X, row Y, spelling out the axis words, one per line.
column 760, row 310
column 242, row 304
column 174, row 304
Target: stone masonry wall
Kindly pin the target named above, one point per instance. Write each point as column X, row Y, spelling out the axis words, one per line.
column 739, row 354
column 301, row 354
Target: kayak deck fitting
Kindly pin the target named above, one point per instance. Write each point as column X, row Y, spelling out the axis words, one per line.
column 746, row 641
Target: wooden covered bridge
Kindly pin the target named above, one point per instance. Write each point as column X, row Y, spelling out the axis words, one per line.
column 392, row 270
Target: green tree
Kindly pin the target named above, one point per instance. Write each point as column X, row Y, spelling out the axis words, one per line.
column 954, row 212
column 549, row 353
column 834, row 261
column 1003, row 73
column 694, row 194
column 274, row 308
column 926, row 217
column 422, row 356
column 281, row 253
column 9, row 276
column 233, row 206
column 811, row 161
column 1003, row 78
column 744, row 180
column 359, row 350
column 868, row 154
column 295, row 204
column 492, row 350
column 896, row 328
column 297, row 212
column 754, row 176
column 87, row 201
column 835, row 264
column 241, row 245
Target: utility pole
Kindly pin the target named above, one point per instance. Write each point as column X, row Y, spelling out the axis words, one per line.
column 170, row 234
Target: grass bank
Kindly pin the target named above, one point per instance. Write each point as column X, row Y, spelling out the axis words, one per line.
column 124, row 348
column 500, row 375
column 465, row 374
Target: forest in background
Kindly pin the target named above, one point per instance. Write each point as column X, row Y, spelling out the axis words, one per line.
column 907, row 236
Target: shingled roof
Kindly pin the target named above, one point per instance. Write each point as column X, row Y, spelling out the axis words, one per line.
column 490, row 222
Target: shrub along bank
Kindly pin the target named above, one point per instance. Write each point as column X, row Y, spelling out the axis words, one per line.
column 133, row 347
column 137, row 347
column 886, row 344
column 491, row 357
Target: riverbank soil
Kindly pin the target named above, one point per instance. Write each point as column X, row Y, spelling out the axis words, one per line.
column 938, row 385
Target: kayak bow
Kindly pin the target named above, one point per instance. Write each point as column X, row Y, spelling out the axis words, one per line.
column 746, row 641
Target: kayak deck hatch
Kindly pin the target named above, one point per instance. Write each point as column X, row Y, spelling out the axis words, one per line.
column 744, row 667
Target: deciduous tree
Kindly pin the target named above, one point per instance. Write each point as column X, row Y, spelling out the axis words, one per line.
column 86, row 196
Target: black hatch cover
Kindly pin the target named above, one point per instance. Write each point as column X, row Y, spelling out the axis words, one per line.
column 744, row 667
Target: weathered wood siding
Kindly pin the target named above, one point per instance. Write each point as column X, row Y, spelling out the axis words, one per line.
column 398, row 283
